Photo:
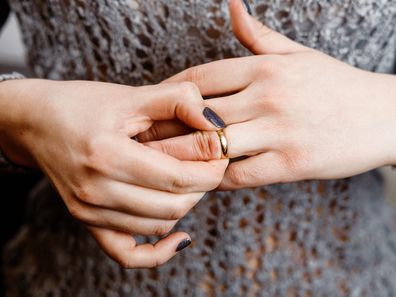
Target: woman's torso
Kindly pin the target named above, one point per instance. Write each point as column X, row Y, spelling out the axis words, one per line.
column 138, row 41
column 332, row 238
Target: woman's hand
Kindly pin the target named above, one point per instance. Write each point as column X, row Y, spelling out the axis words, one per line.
column 79, row 133
column 295, row 112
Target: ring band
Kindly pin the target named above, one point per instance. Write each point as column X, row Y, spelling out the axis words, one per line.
column 223, row 143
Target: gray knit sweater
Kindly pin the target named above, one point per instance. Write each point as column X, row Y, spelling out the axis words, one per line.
column 313, row 238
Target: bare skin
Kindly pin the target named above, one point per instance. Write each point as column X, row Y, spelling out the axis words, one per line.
column 295, row 112
column 79, row 134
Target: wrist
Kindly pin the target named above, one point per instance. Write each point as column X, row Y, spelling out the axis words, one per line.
column 18, row 109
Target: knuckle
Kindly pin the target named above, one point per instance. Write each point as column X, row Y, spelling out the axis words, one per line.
column 153, row 133
column 149, row 135
column 167, row 147
column 293, row 164
column 162, row 229
column 190, row 90
column 269, row 103
column 272, row 67
column 76, row 212
column 153, row 263
column 235, row 175
column 155, row 260
column 265, row 102
column 85, row 193
column 159, row 261
column 159, row 230
column 96, row 156
column 179, row 210
column 180, row 183
column 263, row 32
column 124, row 258
column 242, row 176
column 206, row 145
column 124, row 262
column 195, row 74
column 264, row 67
column 164, row 147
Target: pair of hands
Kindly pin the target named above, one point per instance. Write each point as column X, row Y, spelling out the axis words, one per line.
column 294, row 112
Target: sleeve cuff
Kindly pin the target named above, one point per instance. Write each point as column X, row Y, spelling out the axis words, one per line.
column 9, row 76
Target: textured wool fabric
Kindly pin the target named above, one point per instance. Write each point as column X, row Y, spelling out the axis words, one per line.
column 10, row 76
column 312, row 238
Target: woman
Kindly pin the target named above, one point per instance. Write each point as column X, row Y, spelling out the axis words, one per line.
column 292, row 113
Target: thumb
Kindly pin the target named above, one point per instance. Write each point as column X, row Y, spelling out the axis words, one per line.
column 182, row 101
column 255, row 36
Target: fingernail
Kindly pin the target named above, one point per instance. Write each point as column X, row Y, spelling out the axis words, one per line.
column 212, row 117
column 183, row 244
column 247, row 6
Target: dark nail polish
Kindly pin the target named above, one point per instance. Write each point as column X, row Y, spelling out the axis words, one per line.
column 183, row 244
column 247, row 6
column 212, row 117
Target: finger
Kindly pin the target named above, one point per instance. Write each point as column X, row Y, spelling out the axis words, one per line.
column 197, row 146
column 164, row 129
column 252, row 137
column 223, row 76
column 118, row 221
column 181, row 101
column 235, row 108
column 244, row 139
column 123, row 249
column 138, row 201
column 260, row 170
column 243, row 106
column 255, row 36
column 132, row 162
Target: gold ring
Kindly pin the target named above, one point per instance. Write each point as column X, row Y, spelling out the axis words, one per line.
column 223, row 143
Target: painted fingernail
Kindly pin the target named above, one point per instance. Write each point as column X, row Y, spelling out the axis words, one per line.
column 213, row 117
column 183, row 244
column 247, row 6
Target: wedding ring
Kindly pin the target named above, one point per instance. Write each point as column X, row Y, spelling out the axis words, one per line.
column 223, row 143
